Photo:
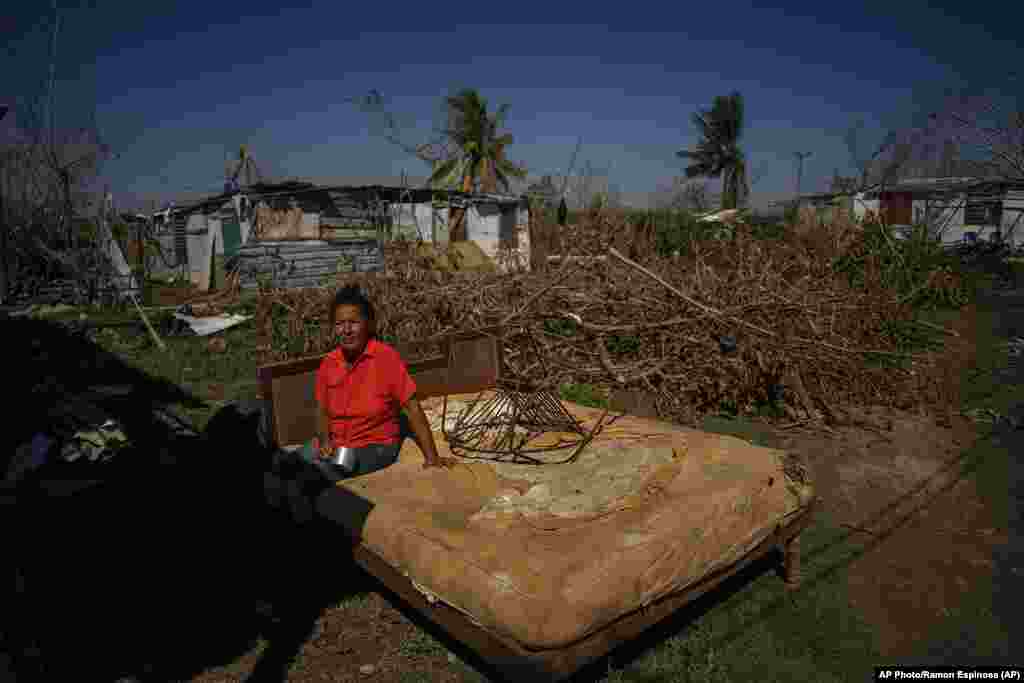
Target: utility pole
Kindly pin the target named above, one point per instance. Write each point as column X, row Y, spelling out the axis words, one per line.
column 800, row 156
column 4, row 273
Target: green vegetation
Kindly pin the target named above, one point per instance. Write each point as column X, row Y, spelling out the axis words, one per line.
column 916, row 268
column 421, row 644
column 717, row 153
column 583, row 394
column 480, row 156
column 679, row 231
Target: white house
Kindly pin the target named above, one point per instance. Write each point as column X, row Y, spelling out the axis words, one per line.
column 498, row 223
column 954, row 209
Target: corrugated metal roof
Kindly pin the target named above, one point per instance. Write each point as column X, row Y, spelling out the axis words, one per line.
column 931, row 186
column 306, row 263
column 323, row 195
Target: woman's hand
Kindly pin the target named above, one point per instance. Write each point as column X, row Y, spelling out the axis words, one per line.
column 324, row 449
column 424, row 437
column 438, row 461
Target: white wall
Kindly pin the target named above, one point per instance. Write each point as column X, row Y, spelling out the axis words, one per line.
column 861, row 206
column 412, row 221
column 493, row 227
column 216, row 234
column 483, row 226
column 1013, row 213
column 951, row 219
column 198, row 246
column 486, row 224
column 441, row 229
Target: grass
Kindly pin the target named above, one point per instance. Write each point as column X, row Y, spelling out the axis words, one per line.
column 421, row 644
column 583, row 394
column 762, row 633
column 187, row 361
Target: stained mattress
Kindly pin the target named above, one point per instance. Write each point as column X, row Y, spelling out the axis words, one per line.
column 546, row 555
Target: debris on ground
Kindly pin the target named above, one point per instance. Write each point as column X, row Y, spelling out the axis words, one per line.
column 173, row 326
column 742, row 322
column 212, row 324
column 98, row 445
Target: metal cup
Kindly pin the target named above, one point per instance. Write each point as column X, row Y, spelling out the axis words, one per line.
column 345, row 458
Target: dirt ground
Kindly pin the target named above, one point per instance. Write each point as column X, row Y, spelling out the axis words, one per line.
column 926, row 533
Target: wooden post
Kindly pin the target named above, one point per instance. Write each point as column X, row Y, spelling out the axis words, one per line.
column 791, row 563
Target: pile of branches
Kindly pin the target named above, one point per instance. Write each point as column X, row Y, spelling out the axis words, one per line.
column 739, row 323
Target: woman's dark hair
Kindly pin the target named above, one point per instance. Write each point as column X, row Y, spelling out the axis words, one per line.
column 351, row 295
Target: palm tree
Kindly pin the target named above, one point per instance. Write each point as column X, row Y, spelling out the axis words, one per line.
column 717, row 153
column 478, row 159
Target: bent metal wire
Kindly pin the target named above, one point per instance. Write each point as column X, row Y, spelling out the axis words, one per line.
column 503, row 425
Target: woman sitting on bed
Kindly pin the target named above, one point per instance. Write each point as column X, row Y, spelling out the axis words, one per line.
column 362, row 389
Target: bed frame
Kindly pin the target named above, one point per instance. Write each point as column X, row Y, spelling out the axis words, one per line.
column 468, row 364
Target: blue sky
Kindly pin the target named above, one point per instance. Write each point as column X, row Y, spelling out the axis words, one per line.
column 179, row 85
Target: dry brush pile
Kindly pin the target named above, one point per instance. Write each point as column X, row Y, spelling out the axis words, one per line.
column 736, row 323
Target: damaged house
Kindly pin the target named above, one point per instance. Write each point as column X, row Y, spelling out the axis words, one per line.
column 296, row 234
column 954, row 209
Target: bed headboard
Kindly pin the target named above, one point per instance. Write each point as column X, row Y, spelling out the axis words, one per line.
column 468, row 363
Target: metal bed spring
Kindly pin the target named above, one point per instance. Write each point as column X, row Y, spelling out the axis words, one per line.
column 504, row 425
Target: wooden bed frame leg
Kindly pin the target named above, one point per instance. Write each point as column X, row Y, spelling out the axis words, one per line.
column 791, row 563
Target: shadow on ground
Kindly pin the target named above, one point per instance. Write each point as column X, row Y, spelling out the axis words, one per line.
column 171, row 563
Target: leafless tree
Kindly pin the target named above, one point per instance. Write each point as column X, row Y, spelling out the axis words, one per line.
column 987, row 128
column 49, row 154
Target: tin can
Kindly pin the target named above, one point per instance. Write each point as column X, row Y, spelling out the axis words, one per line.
column 345, row 458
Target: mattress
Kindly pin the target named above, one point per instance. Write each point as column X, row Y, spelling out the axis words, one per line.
column 548, row 554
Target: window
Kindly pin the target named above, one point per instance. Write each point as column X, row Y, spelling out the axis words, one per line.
column 983, row 211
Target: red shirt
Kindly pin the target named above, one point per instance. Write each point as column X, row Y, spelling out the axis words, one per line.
column 363, row 400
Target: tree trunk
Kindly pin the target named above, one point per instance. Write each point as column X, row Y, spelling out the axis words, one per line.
column 457, row 225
